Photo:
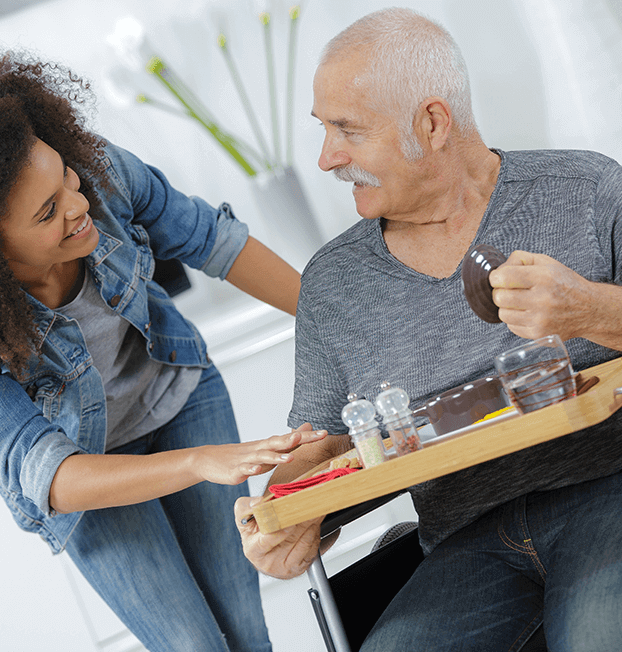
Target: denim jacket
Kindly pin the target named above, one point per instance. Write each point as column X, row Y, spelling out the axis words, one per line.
column 59, row 408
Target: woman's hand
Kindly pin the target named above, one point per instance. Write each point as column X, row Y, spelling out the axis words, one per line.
column 234, row 463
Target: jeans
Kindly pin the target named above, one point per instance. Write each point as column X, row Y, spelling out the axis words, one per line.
column 173, row 569
column 551, row 557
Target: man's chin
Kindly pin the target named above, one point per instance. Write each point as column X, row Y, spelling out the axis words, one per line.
column 364, row 207
column 366, row 211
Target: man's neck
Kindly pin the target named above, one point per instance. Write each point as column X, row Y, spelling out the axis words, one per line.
column 435, row 240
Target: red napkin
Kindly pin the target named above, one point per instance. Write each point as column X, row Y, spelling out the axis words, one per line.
column 292, row 487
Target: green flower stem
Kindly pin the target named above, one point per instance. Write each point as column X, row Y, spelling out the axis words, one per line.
column 265, row 20
column 294, row 14
column 246, row 104
column 238, row 144
column 145, row 99
column 167, row 77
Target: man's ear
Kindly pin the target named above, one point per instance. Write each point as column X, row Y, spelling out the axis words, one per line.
column 432, row 123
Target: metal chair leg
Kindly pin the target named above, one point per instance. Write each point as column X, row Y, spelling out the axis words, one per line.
column 325, row 608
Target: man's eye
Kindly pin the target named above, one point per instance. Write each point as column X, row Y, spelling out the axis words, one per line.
column 353, row 136
column 50, row 214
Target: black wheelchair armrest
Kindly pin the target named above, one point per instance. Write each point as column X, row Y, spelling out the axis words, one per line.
column 335, row 520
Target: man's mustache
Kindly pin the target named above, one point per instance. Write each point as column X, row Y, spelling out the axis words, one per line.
column 355, row 174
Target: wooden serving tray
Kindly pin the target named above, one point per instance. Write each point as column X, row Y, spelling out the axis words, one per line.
column 479, row 444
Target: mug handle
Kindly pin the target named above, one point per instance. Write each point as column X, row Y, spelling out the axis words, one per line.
column 424, row 409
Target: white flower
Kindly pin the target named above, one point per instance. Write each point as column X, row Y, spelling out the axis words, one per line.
column 259, row 7
column 126, row 79
column 130, row 43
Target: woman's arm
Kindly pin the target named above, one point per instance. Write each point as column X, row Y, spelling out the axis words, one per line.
column 85, row 481
column 258, row 271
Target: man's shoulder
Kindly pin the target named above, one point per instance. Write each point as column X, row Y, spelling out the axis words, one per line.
column 523, row 165
column 347, row 246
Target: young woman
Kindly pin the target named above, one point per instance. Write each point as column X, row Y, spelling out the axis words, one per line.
column 117, row 438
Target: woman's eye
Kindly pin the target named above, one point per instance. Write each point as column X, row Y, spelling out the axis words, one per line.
column 50, row 214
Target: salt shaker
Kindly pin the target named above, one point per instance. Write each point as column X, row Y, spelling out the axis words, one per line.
column 392, row 404
column 360, row 417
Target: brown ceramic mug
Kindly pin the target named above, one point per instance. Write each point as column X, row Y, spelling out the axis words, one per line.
column 463, row 406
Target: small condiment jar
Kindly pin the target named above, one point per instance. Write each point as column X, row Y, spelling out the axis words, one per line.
column 392, row 404
column 360, row 417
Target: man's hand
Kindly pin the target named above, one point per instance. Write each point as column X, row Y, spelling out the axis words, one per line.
column 283, row 554
column 539, row 296
column 289, row 552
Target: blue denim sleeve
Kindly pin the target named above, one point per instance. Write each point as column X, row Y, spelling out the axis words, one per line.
column 179, row 226
column 231, row 236
column 31, row 448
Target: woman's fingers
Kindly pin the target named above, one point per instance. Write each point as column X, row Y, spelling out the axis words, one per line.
column 293, row 439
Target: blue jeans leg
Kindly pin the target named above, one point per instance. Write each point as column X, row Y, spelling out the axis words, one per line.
column 581, row 539
column 553, row 557
column 211, row 544
column 474, row 592
column 173, row 569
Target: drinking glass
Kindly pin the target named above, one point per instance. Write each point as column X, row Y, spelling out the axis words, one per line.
column 537, row 373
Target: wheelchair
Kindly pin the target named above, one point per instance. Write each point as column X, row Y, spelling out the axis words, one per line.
column 341, row 603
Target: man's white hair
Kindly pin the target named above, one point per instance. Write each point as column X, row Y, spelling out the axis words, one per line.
column 409, row 58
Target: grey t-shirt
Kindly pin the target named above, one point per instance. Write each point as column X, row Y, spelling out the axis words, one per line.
column 141, row 394
column 364, row 317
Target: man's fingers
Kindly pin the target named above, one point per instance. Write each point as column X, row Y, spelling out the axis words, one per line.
column 517, row 271
column 511, row 299
column 519, row 257
column 242, row 508
column 512, row 277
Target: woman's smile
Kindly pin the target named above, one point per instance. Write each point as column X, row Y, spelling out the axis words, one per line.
column 83, row 228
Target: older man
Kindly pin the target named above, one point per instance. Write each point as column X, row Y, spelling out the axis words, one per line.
column 534, row 536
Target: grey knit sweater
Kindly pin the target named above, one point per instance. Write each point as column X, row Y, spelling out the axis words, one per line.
column 364, row 317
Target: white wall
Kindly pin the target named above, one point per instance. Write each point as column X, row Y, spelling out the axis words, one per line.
column 544, row 73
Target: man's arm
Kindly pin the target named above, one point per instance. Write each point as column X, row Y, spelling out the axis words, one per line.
column 539, row 296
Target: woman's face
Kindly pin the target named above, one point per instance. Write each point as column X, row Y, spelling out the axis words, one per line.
column 47, row 221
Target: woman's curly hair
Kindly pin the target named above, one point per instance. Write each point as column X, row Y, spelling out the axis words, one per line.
column 44, row 101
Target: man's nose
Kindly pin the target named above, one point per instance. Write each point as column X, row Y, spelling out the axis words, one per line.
column 332, row 156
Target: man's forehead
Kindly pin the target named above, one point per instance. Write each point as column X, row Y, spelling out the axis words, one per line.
column 343, row 68
column 338, row 85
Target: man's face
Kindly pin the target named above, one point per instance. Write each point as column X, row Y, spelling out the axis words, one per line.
column 362, row 145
